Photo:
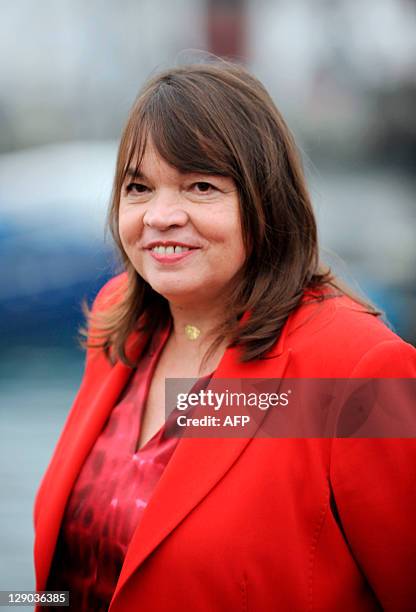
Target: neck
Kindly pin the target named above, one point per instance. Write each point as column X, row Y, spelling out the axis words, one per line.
column 202, row 319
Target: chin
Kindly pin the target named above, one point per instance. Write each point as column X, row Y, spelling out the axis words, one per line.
column 174, row 293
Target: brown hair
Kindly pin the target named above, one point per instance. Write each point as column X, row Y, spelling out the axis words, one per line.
column 218, row 118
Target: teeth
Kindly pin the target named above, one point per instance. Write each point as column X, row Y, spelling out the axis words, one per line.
column 169, row 250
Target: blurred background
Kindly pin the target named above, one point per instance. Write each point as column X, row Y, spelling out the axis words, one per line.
column 343, row 72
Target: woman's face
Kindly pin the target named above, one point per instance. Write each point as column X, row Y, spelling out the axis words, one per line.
column 181, row 232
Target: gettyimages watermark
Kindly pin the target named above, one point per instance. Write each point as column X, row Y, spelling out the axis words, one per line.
column 291, row 408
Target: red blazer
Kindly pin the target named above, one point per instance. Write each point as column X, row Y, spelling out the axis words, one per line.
column 261, row 524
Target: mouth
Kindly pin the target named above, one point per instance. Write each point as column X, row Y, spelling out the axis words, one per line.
column 170, row 252
column 169, row 248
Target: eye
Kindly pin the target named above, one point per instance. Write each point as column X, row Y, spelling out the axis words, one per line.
column 136, row 188
column 203, row 187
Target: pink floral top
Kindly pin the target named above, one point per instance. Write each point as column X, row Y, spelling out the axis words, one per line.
column 110, row 495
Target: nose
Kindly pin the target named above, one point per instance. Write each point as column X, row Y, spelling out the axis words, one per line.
column 165, row 210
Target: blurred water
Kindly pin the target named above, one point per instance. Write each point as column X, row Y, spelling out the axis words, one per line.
column 37, row 387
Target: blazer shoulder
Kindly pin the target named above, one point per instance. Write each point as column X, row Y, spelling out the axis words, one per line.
column 331, row 337
column 110, row 292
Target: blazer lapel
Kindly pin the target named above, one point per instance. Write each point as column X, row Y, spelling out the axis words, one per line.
column 194, row 469
column 92, row 408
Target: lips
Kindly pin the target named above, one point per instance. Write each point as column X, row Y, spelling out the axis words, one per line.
column 158, row 244
column 169, row 250
column 169, row 255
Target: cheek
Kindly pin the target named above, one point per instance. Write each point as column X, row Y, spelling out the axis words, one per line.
column 223, row 222
column 230, row 245
column 129, row 227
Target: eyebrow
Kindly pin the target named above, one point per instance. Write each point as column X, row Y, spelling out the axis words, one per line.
column 135, row 173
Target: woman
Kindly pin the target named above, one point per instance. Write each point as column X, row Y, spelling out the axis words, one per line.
column 222, row 280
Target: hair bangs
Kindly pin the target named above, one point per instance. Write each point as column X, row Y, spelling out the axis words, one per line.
column 134, row 147
column 179, row 133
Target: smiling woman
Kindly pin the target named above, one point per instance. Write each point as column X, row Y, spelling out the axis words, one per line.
column 222, row 280
column 215, row 125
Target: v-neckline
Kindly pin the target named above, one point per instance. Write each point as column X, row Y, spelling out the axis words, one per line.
column 153, row 352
